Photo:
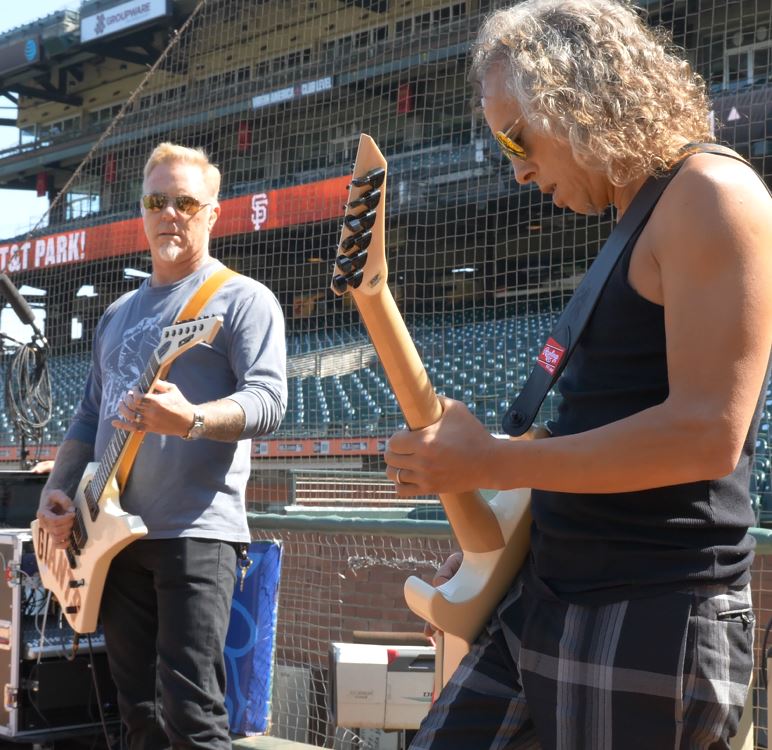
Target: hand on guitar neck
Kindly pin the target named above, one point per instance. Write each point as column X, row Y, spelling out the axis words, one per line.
column 455, row 454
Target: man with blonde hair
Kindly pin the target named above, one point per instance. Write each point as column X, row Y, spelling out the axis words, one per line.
column 631, row 624
column 166, row 604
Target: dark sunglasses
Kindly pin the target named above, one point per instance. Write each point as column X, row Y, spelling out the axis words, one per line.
column 511, row 148
column 185, row 204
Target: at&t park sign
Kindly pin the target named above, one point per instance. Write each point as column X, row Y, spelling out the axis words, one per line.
column 245, row 214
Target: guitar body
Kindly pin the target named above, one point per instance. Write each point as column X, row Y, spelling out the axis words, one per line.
column 494, row 534
column 78, row 588
column 460, row 608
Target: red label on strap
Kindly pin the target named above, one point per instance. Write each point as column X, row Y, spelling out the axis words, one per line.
column 551, row 356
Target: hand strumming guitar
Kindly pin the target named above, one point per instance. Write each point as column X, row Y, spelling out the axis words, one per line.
column 444, row 573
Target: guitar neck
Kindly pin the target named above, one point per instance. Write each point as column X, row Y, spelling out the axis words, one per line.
column 122, row 449
column 399, row 357
column 361, row 268
column 471, row 518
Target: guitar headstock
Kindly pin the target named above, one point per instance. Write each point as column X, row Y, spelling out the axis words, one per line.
column 361, row 262
column 181, row 336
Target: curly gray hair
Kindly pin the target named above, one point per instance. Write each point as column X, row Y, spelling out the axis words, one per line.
column 591, row 73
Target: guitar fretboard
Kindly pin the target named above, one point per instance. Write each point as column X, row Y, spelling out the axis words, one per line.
column 113, row 453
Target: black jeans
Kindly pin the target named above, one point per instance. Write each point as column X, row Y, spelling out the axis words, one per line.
column 165, row 612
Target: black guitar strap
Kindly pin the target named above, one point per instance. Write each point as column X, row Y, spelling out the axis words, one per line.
column 565, row 335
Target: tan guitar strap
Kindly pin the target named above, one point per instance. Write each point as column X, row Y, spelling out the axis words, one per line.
column 204, row 293
column 192, row 309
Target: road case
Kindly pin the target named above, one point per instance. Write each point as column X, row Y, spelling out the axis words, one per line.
column 53, row 685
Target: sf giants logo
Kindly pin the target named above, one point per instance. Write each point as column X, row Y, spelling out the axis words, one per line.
column 551, row 356
column 259, row 210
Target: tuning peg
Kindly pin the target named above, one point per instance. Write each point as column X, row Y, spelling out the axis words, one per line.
column 361, row 223
column 374, row 178
column 349, row 263
column 369, row 200
column 339, row 284
column 358, row 241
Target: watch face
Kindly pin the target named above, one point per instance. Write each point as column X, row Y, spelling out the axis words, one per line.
column 197, row 427
column 198, row 424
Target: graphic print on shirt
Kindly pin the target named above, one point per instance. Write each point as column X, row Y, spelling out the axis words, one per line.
column 123, row 366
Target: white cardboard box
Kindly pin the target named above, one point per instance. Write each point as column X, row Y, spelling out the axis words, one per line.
column 380, row 687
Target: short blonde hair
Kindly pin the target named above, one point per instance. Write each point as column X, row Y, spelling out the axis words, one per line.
column 591, row 73
column 171, row 152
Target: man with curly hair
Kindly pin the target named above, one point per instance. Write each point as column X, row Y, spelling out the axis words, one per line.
column 631, row 624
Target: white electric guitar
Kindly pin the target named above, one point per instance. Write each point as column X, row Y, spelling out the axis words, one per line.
column 76, row 575
column 493, row 534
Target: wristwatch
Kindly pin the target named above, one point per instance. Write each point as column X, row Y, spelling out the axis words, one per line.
column 197, row 428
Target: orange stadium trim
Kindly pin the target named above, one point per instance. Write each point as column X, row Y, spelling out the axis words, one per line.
column 272, row 209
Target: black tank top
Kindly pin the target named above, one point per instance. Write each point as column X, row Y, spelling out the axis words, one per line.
column 597, row 548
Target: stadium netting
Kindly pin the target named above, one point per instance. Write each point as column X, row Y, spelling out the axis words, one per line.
column 277, row 92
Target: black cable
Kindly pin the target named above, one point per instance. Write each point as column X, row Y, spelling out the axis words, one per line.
column 94, row 679
column 28, row 400
column 31, row 680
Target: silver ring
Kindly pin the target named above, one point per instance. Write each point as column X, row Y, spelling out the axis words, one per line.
column 137, row 417
column 396, row 478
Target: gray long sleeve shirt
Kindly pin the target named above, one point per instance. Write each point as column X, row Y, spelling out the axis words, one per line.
column 179, row 487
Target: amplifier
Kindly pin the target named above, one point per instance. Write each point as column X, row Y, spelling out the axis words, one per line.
column 49, row 689
column 19, row 497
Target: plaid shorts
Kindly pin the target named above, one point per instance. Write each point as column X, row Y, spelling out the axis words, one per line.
column 668, row 671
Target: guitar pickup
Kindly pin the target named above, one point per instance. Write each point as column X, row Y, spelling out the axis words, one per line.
column 91, row 500
column 79, row 532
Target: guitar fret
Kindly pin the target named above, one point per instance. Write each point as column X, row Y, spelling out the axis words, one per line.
column 149, row 374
